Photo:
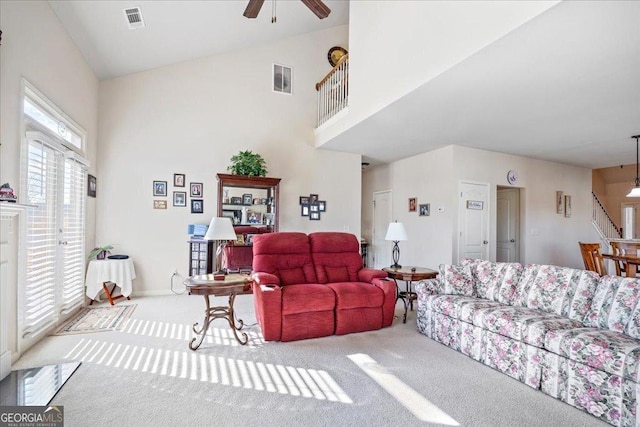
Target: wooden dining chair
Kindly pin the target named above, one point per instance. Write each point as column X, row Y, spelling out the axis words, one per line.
column 623, row 248
column 592, row 258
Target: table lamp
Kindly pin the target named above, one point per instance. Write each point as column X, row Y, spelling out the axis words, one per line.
column 221, row 231
column 396, row 233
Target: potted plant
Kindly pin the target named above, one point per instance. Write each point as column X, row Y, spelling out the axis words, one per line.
column 248, row 163
column 100, row 252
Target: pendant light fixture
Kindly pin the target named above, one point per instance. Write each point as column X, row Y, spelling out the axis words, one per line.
column 635, row 191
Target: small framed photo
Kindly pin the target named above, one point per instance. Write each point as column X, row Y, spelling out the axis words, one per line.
column 159, row 204
column 239, row 240
column 304, row 200
column 197, row 206
column 236, row 200
column 91, row 186
column 249, row 239
column 257, row 201
column 567, row 206
column 247, row 199
column 412, row 204
column 322, row 206
column 314, row 207
column 178, row 180
column 313, row 198
column 160, row 188
column 304, row 210
column 314, row 216
column 559, row 202
column 196, row 189
column 425, row 209
column 180, row 198
column 263, row 201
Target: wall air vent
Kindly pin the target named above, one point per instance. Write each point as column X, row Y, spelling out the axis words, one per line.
column 282, row 79
column 134, row 17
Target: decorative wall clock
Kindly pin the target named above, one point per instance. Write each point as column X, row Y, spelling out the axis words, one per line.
column 512, row 177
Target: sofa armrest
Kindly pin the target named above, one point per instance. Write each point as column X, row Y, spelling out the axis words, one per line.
column 267, row 302
column 265, row 279
column 368, row 274
column 389, row 304
column 429, row 287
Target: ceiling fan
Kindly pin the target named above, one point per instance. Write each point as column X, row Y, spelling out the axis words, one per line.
column 316, row 6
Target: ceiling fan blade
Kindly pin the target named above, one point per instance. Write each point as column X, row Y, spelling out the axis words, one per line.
column 253, row 8
column 318, row 7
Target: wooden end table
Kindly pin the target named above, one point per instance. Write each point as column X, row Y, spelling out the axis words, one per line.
column 205, row 285
column 409, row 274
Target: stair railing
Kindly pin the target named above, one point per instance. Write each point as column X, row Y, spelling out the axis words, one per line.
column 333, row 91
column 603, row 221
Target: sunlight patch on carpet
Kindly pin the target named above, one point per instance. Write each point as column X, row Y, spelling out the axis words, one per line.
column 194, row 366
column 417, row 404
column 97, row 319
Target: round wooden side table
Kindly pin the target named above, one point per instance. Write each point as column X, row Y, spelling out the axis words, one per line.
column 409, row 274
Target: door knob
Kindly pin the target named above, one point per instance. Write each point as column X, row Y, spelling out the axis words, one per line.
column 512, row 240
column 484, row 242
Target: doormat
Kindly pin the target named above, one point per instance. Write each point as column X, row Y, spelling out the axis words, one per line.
column 98, row 319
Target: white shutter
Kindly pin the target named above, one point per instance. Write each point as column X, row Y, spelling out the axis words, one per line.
column 42, row 192
column 73, row 228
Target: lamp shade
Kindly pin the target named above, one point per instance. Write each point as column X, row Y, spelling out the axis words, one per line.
column 396, row 232
column 220, row 229
column 635, row 192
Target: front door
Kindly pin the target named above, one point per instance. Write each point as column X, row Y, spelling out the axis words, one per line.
column 508, row 225
column 473, row 226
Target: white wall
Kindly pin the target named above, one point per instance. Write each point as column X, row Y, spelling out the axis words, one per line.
column 191, row 118
column 377, row 178
column 36, row 46
column 398, row 46
column 433, row 177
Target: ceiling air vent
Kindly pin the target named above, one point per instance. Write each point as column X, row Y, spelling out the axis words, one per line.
column 282, row 79
column 134, row 18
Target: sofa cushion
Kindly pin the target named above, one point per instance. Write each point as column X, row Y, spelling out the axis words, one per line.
column 497, row 281
column 286, row 255
column 523, row 324
column 307, row 298
column 456, row 279
column 559, row 290
column 459, row 306
column 604, row 350
column 616, row 305
column 356, row 295
column 336, row 256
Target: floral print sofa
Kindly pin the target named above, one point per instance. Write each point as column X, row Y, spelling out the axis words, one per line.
column 567, row 332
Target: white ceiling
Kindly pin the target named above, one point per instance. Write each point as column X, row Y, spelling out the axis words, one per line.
column 178, row 31
column 563, row 87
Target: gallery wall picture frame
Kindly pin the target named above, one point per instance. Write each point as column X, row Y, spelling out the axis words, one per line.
column 304, row 200
column 560, row 202
column 412, row 204
column 567, row 206
column 197, row 206
column 314, row 207
column 180, row 198
column 313, row 198
column 314, row 216
column 91, row 186
column 159, row 204
column 424, row 209
column 178, row 180
column 322, row 206
column 160, row 188
column 195, row 189
column 304, row 210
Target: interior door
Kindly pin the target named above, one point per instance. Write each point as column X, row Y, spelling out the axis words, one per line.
column 508, row 225
column 381, row 249
column 473, row 226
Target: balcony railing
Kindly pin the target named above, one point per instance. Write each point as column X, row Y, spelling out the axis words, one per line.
column 333, row 91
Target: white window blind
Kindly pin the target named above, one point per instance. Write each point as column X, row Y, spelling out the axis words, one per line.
column 41, row 243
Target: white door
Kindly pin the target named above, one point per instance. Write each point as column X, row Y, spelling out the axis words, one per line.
column 381, row 249
column 473, row 226
column 630, row 220
column 508, row 225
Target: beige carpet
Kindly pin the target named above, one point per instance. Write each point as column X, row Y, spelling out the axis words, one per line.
column 145, row 375
column 98, row 319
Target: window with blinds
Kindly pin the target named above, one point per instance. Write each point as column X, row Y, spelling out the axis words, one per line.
column 54, row 181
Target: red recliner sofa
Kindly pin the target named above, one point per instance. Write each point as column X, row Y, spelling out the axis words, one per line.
column 309, row 286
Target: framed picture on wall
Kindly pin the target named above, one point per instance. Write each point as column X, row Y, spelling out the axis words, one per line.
column 178, row 180
column 412, row 204
column 91, row 186
column 559, row 202
column 425, row 209
column 179, row 198
column 196, row 189
column 160, row 188
column 567, row 206
column 197, row 206
column 159, row 204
